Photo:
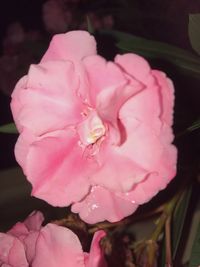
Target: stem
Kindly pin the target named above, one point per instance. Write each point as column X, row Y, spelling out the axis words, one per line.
column 164, row 220
column 168, row 242
column 72, row 221
column 102, row 226
column 168, row 209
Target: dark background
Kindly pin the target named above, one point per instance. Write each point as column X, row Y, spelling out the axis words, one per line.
column 27, row 12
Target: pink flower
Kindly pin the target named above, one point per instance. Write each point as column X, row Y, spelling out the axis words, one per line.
column 94, row 134
column 29, row 244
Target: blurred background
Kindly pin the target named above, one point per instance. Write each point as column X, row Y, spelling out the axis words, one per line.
column 26, row 28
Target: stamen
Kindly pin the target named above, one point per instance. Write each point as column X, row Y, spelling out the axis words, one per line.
column 91, row 129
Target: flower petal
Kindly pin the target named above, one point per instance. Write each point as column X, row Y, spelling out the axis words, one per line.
column 142, row 145
column 147, row 189
column 48, row 104
column 25, row 139
column 110, row 88
column 58, row 246
column 57, row 169
column 144, row 107
column 16, row 104
column 27, row 232
column 19, row 230
column 96, row 256
column 30, row 242
column 12, row 251
column 34, row 221
column 102, row 204
column 150, row 147
column 102, row 75
column 116, row 171
column 134, row 65
column 74, row 45
column 109, row 103
column 167, row 96
column 155, row 155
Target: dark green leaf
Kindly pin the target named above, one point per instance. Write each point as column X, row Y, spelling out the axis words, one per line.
column 8, row 128
column 195, row 254
column 194, row 126
column 89, row 26
column 185, row 60
column 179, row 218
column 163, row 253
column 194, row 31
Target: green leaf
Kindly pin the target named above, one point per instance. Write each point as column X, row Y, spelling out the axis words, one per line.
column 194, row 31
column 195, row 254
column 185, row 60
column 8, row 128
column 178, row 219
column 89, row 25
column 163, row 253
column 194, row 126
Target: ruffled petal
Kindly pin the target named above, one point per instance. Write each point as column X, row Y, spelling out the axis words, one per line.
column 25, row 139
column 102, row 75
column 57, row 169
column 16, row 104
column 96, row 256
column 58, row 246
column 151, row 148
column 109, row 103
column 19, row 230
column 74, row 45
column 147, row 189
column 30, row 242
column 34, row 221
column 144, row 107
column 142, row 145
column 158, row 157
column 48, row 104
column 102, row 204
column 12, row 251
column 166, row 91
column 116, row 171
column 27, row 233
column 134, row 65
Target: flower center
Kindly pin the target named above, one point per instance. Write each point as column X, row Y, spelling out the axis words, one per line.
column 91, row 129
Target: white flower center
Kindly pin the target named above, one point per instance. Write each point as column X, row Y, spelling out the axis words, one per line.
column 91, row 129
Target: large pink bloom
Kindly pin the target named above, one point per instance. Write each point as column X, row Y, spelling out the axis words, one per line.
column 29, row 244
column 94, row 134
